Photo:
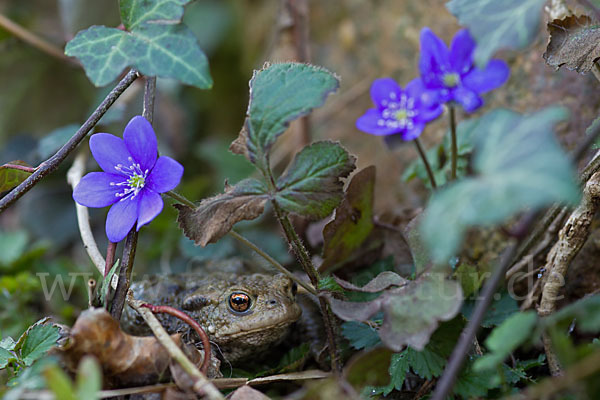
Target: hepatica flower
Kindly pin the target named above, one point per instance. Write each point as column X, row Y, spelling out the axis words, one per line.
column 404, row 112
column 451, row 72
column 132, row 180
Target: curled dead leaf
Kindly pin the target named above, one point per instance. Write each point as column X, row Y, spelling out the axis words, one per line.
column 574, row 42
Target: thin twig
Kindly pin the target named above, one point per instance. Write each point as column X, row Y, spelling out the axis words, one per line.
column 191, row 322
column 426, row 162
column 272, row 261
column 125, row 271
column 34, row 40
column 24, row 168
column 50, row 165
column 202, row 385
column 74, row 175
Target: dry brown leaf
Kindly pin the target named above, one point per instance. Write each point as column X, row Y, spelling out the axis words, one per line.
column 247, row 393
column 574, row 43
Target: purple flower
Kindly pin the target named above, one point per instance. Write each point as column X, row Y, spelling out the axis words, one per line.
column 398, row 111
column 452, row 73
column 132, row 179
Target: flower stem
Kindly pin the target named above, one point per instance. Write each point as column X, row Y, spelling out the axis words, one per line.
column 50, row 165
column 313, row 275
column 180, row 198
column 454, row 154
column 427, row 166
column 110, row 257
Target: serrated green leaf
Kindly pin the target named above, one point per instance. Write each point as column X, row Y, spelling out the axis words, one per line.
column 136, row 12
column 89, row 379
column 312, row 185
column 474, row 384
column 6, row 357
column 496, row 24
column 38, row 341
column 12, row 246
column 329, row 283
column 360, row 335
column 398, row 369
column 505, row 338
column 12, row 177
column 214, row 217
column 280, row 93
column 497, row 312
column 426, row 363
column 169, row 51
column 520, row 166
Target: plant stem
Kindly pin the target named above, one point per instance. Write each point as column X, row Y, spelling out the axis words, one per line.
column 313, row 275
column 128, row 257
column 50, row 165
column 110, row 257
column 34, row 40
column 25, row 168
column 427, row 166
column 180, row 198
column 272, row 261
column 454, row 151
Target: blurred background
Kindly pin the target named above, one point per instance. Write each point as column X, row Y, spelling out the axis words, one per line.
column 43, row 100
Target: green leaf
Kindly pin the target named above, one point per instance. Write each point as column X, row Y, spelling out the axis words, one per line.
column 520, row 166
column 12, row 246
column 399, row 367
column 280, row 93
column 136, row 12
column 360, row 335
column 214, row 217
column 496, row 24
column 59, row 383
column 38, row 341
column 8, row 343
column 169, row 51
column 89, row 379
column 584, row 312
column 474, row 384
column 353, row 222
column 411, row 312
column 11, row 177
column 330, row 284
column 505, row 338
column 106, row 283
column 426, row 363
column 502, row 308
column 6, row 357
column 311, row 186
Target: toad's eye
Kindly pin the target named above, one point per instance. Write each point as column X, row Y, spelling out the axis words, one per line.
column 239, row 302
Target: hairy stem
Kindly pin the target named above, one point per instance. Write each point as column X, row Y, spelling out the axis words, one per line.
column 126, row 268
column 180, row 198
column 427, row 166
column 313, row 275
column 50, row 165
column 454, row 151
column 34, row 40
column 202, row 386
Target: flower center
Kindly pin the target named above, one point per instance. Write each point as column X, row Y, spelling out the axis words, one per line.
column 135, row 183
column 451, row 79
column 399, row 113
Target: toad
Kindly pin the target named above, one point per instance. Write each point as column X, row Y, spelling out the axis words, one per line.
column 243, row 315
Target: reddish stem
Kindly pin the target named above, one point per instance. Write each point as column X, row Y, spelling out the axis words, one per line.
column 110, row 257
column 31, row 170
column 191, row 322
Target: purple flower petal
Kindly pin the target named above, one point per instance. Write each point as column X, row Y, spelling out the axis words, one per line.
column 121, row 218
column 94, row 189
column 369, row 123
column 384, row 90
column 151, row 204
column 424, row 98
column 434, row 59
column 494, row 75
column 108, row 151
column 467, row 98
column 165, row 175
column 140, row 139
column 414, row 132
column 429, row 114
column 461, row 52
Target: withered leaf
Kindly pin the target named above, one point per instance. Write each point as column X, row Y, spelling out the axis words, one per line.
column 411, row 312
column 353, row 220
column 214, row 217
column 574, row 42
column 312, row 185
column 247, row 393
column 381, row 282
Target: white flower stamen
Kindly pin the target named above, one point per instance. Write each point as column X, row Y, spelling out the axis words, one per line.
column 135, row 182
